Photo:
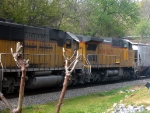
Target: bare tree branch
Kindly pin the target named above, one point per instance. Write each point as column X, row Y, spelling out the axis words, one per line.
column 1, row 94
column 5, row 102
column 67, row 77
column 22, row 63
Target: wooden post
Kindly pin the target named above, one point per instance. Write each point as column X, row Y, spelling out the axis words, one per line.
column 6, row 102
column 67, row 78
column 22, row 64
column 22, row 85
column 71, row 67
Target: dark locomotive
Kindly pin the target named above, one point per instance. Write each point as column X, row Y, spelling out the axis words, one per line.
column 102, row 59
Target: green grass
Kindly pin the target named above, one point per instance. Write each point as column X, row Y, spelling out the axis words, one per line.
column 144, row 112
column 94, row 103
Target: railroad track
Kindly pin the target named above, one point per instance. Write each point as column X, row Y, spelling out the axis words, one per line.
column 48, row 95
column 58, row 89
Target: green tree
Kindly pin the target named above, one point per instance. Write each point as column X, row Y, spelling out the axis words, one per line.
column 87, row 17
column 144, row 8
column 73, row 16
column 14, row 9
column 31, row 12
column 112, row 17
column 143, row 30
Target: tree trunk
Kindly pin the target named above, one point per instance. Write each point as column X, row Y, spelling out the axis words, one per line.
column 67, row 78
column 22, row 85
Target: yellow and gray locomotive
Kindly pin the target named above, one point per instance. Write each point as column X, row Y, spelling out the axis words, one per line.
column 102, row 59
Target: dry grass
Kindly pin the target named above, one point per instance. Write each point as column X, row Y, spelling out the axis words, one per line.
column 140, row 97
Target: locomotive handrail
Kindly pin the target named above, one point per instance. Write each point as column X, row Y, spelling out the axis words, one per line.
column 8, row 67
column 74, row 61
column 135, row 64
column 85, row 65
column 1, row 65
column 36, row 62
column 27, row 53
column 72, row 55
column 88, row 63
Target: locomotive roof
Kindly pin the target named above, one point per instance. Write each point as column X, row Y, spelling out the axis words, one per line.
column 135, row 43
column 11, row 24
column 11, row 31
column 106, row 40
column 81, row 38
column 110, row 40
column 33, row 29
column 88, row 38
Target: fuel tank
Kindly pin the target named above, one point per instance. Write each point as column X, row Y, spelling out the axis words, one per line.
column 110, row 75
column 44, row 81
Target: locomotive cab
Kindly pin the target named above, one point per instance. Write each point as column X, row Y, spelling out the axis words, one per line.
column 71, row 46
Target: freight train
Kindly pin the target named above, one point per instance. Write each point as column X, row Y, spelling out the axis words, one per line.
column 102, row 59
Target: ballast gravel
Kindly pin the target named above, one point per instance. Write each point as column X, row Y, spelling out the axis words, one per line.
column 54, row 96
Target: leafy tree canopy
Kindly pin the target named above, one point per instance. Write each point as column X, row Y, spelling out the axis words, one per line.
column 142, row 29
column 88, row 17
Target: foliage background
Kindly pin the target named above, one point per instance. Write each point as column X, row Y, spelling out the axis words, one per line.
column 108, row 18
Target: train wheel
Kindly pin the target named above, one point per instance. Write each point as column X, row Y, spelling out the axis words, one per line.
column 136, row 75
column 70, row 82
column 124, row 75
column 93, row 78
column 74, row 82
column 99, row 78
column 84, row 78
column 74, row 79
column 128, row 76
column 147, row 75
column 10, row 89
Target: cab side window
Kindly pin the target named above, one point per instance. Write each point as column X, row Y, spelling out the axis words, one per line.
column 68, row 44
column 125, row 45
column 92, row 47
column 76, row 45
column 130, row 46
